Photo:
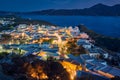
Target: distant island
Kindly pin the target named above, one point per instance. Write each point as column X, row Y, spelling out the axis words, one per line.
column 96, row 10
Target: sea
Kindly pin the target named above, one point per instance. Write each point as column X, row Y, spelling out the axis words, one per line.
column 105, row 25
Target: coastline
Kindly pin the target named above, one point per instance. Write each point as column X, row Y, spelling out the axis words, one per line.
column 109, row 43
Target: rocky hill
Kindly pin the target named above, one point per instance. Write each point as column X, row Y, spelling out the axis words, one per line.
column 96, row 10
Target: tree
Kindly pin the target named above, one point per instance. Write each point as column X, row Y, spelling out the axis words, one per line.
column 3, row 55
column 6, row 36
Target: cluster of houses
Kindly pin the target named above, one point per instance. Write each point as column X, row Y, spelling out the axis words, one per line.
column 6, row 21
column 93, row 62
column 36, row 38
column 45, row 41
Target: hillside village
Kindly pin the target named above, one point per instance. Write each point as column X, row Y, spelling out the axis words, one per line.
column 73, row 49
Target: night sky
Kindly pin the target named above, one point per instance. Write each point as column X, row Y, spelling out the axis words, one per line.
column 34, row 5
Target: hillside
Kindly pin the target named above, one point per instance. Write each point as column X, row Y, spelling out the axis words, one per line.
column 105, row 42
column 96, row 10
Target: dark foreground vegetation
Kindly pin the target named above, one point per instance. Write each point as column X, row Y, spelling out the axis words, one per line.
column 31, row 68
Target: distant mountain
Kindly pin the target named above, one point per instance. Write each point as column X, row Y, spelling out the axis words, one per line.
column 6, row 13
column 96, row 10
column 3, row 12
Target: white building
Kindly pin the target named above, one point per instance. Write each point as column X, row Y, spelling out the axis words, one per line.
column 85, row 43
column 93, row 52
